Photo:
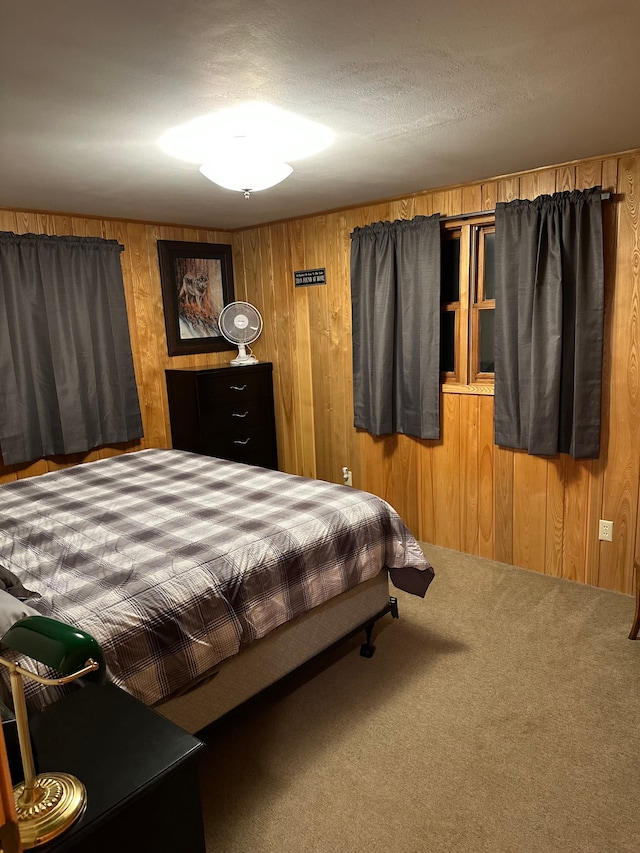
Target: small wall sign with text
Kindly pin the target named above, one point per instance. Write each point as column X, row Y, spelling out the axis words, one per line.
column 305, row 278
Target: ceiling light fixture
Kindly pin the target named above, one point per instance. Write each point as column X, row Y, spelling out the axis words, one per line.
column 241, row 164
column 245, row 148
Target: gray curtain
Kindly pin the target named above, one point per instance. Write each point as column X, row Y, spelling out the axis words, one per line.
column 66, row 371
column 395, row 292
column 549, row 324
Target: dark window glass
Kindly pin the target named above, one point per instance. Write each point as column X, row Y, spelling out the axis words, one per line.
column 489, row 266
column 447, row 342
column 486, row 340
column 450, row 270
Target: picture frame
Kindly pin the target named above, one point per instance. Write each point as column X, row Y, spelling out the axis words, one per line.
column 197, row 282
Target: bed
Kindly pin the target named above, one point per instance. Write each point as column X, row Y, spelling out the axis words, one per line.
column 203, row 580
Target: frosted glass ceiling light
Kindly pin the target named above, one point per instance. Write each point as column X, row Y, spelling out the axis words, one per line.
column 242, row 164
column 245, row 147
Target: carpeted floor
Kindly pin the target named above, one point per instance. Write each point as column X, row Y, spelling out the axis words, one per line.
column 499, row 714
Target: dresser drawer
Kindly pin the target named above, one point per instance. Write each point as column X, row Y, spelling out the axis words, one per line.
column 214, row 392
column 248, row 416
column 256, row 449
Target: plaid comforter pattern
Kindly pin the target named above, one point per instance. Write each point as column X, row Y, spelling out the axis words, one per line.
column 175, row 561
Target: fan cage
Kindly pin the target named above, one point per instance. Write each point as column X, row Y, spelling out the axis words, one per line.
column 238, row 334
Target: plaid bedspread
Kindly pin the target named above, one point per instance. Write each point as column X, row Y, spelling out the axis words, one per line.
column 175, row 561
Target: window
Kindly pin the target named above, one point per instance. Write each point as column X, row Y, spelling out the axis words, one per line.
column 467, row 302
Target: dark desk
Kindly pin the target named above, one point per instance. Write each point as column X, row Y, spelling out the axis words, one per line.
column 139, row 770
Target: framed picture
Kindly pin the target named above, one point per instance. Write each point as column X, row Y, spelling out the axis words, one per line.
column 197, row 282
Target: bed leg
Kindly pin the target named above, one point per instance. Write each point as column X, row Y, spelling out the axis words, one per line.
column 367, row 648
column 393, row 607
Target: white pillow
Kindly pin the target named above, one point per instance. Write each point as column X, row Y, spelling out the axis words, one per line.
column 12, row 609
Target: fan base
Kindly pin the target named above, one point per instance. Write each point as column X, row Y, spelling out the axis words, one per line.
column 241, row 360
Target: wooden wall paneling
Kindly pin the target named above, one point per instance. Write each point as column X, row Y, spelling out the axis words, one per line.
column 338, row 296
column 339, row 283
column 572, row 530
column 26, row 222
column 306, row 450
column 565, row 178
column 274, row 287
column 610, row 174
column 486, row 523
column 346, row 225
column 8, row 220
column 63, row 225
column 251, row 264
column 423, row 205
column 32, row 469
column 508, row 189
column 117, row 230
column 606, row 175
column 529, row 510
column 588, row 174
column 47, row 224
column 286, row 334
column 469, row 407
column 489, row 195
column 533, row 184
column 452, row 205
column 436, row 202
column 374, row 452
column 446, row 474
column 150, row 322
column 237, row 246
column 620, row 487
column 86, row 227
column 402, row 208
column 401, row 472
column 471, row 198
column 578, row 474
column 426, row 497
column 315, row 236
column 261, row 288
column 555, row 515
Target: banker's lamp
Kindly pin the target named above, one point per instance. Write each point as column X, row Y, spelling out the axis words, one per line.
column 47, row 803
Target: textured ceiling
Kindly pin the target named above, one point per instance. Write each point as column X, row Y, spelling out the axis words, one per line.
column 420, row 94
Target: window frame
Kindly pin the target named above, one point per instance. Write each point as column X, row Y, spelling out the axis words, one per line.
column 467, row 379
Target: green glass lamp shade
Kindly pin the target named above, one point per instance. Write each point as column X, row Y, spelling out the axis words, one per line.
column 59, row 646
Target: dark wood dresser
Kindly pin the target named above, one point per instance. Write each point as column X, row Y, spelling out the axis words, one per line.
column 224, row 411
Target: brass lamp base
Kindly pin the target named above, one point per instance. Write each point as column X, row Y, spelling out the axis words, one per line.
column 56, row 801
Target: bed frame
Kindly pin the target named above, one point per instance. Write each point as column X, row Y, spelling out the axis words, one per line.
column 286, row 648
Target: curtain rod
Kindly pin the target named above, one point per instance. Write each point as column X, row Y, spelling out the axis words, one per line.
column 605, row 196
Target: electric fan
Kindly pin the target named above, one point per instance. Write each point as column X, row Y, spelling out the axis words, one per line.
column 241, row 323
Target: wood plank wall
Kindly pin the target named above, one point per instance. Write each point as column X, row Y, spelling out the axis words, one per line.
column 462, row 491
column 143, row 295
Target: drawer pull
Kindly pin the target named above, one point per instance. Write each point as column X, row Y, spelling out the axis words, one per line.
column 246, row 441
column 238, row 415
column 238, row 387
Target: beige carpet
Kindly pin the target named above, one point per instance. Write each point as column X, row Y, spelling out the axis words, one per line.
column 499, row 714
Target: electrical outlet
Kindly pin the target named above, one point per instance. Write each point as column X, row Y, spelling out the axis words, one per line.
column 606, row 530
column 347, row 476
